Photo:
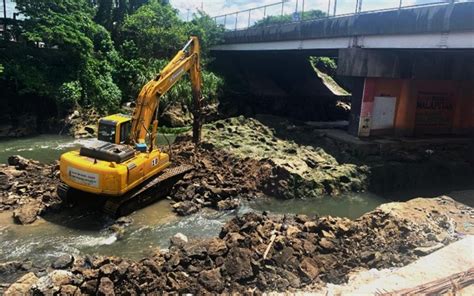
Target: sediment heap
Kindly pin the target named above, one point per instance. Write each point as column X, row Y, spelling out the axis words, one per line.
column 262, row 253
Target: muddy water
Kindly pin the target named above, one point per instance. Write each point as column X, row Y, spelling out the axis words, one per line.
column 83, row 231
column 47, row 148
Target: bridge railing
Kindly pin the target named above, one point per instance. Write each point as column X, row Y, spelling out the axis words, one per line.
column 303, row 10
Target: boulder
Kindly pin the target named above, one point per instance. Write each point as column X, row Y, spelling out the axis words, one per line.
column 309, row 268
column 178, row 239
column 237, row 264
column 211, row 280
column 176, row 115
column 19, row 162
column 63, row 262
column 28, row 212
column 106, row 287
column 22, row 286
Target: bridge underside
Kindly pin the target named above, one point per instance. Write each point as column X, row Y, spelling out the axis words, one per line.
column 394, row 92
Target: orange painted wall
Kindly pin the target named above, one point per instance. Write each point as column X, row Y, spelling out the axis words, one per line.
column 406, row 91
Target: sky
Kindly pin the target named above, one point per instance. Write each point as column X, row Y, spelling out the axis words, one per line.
column 220, row 7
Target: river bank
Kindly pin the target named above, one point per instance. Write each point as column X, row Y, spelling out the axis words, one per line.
column 264, row 253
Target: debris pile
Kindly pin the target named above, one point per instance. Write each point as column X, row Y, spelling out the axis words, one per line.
column 260, row 252
column 28, row 187
column 298, row 171
column 219, row 180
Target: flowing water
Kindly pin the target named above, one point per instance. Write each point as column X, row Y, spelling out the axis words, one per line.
column 83, row 231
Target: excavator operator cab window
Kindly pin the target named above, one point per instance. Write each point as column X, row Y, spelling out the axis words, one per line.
column 125, row 132
column 106, row 131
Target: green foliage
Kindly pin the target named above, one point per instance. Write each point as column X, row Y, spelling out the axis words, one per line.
column 325, row 64
column 68, row 26
column 286, row 18
column 69, row 94
column 100, row 53
column 153, row 35
column 155, row 29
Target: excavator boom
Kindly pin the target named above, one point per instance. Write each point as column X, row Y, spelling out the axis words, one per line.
column 186, row 60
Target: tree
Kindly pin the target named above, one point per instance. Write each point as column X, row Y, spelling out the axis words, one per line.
column 68, row 26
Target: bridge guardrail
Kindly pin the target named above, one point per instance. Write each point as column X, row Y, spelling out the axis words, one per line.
column 289, row 11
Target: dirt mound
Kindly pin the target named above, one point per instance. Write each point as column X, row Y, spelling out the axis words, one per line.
column 259, row 252
column 219, row 180
column 28, row 187
column 298, row 171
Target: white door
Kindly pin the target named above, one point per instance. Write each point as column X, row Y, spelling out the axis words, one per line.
column 383, row 113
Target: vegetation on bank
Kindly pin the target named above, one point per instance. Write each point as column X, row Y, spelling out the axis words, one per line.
column 287, row 18
column 99, row 53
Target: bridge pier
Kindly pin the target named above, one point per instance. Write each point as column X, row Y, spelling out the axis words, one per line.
column 414, row 93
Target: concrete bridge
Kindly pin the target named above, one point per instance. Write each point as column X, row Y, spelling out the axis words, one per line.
column 410, row 71
column 442, row 26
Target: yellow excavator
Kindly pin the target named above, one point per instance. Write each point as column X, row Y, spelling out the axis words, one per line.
column 124, row 161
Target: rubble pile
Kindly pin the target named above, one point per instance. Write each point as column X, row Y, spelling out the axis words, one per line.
column 28, row 187
column 218, row 180
column 260, row 252
column 298, row 171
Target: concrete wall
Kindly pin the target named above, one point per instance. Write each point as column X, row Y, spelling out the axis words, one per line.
column 422, row 20
column 423, row 107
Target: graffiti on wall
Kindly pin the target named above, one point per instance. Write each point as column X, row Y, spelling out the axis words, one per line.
column 434, row 113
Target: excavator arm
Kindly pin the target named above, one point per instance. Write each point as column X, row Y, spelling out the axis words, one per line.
column 145, row 113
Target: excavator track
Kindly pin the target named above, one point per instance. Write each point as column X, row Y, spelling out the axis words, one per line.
column 123, row 205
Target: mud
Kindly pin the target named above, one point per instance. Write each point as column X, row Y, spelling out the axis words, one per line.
column 262, row 253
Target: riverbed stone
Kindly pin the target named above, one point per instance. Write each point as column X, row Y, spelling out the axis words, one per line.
column 106, row 287
column 28, row 212
column 63, row 262
column 178, row 239
column 22, row 286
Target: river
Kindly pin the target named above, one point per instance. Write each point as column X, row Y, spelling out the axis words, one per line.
column 83, row 231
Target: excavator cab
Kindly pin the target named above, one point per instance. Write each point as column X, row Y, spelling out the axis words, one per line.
column 115, row 129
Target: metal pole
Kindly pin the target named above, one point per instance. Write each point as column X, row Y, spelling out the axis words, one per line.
column 236, row 17
column 225, row 21
column 248, row 25
column 329, row 7
column 335, row 6
column 360, row 6
column 265, row 12
column 302, row 10
column 401, row 4
column 282, row 6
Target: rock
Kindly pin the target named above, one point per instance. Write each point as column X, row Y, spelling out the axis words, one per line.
column 309, row 268
column 107, row 269
column 217, row 247
column 176, row 115
column 326, row 244
column 211, row 280
column 237, row 264
column 228, row 204
column 63, row 262
column 106, row 287
column 423, row 251
column 22, row 286
column 178, row 239
column 196, row 249
column 68, row 290
column 19, row 162
column 51, row 283
column 27, row 213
